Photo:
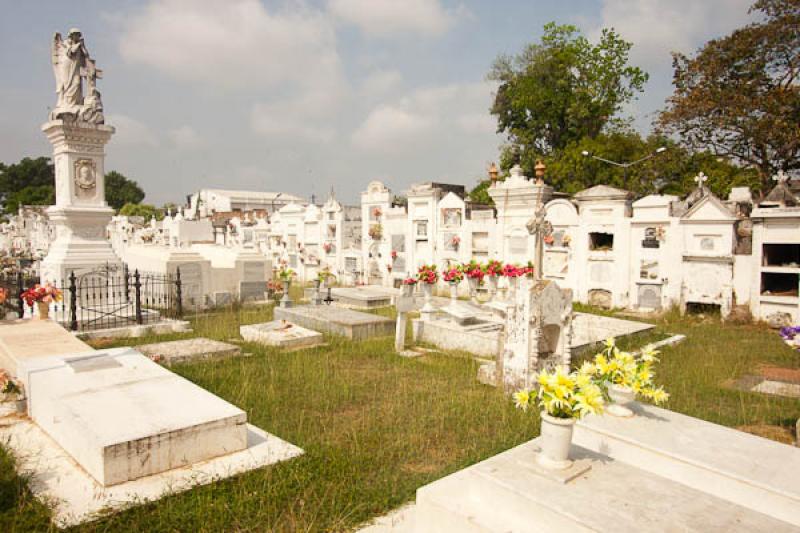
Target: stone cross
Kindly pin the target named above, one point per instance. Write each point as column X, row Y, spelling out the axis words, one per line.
column 780, row 177
column 701, row 179
column 541, row 228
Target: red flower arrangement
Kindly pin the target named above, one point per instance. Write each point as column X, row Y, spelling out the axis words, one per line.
column 376, row 212
column 428, row 274
column 3, row 295
column 473, row 270
column 549, row 239
column 410, row 281
column 46, row 293
column 394, row 254
column 514, row 271
column 455, row 240
column 327, row 247
column 453, row 275
column 493, row 268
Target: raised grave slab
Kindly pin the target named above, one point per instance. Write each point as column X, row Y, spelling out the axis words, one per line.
column 345, row 322
column 22, row 340
column 188, row 350
column 360, row 298
column 122, row 417
column 506, row 493
column 588, row 329
column 480, row 339
column 282, row 334
column 749, row 471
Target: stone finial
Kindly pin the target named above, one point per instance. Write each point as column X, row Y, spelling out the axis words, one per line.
column 780, row 177
column 493, row 172
column 540, row 169
column 701, row 179
column 516, row 171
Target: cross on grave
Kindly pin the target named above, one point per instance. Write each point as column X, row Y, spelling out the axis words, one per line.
column 700, row 179
column 780, row 177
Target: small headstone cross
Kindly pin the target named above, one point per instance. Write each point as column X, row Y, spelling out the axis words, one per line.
column 701, row 179
column 780, row 177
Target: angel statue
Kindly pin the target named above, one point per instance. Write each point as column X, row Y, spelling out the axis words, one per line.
column 71, row 64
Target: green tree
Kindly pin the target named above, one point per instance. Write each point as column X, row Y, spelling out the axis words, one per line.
column 28, row 182
column 121, row 190
column 141, row 210
column 560, row 91
column 739, row 95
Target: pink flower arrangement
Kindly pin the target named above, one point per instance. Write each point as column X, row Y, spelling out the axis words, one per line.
column 327, row 247
column 3, row 295
column 376, row 212
column 394, row 254
column 493, row 268
column 455, row 240
column 46, row 293
column 514, row 271
column 549, row 240
column 473, row 270
column 410, row 281
column 453, row 275
column 428, row 274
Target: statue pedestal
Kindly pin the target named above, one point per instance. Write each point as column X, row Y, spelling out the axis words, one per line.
column 81, row 214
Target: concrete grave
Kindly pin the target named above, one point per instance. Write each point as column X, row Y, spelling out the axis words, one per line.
column 188, row 350
column 282, row 334
column 252, row 291
column 345, row 322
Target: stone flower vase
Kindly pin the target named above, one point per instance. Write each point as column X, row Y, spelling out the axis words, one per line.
column 453, row 291
column 43, row 309
column 317, row 295
column 621, row 398
column 513, row 285
column 427, row 291
column 285, row 300
column 492, row 280
column 408, row 290
column 473, row 289
column 555, row 442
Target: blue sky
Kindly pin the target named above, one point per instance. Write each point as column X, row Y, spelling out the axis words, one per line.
column 301, row 96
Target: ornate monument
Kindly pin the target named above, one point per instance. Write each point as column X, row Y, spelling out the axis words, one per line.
column 78, row 134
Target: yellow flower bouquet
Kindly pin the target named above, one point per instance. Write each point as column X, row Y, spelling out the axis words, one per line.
column 563, row 395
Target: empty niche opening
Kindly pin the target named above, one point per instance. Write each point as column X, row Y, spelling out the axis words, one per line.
column 779, row 284
column 601, row 242
column 697, row 308
column 781, row 255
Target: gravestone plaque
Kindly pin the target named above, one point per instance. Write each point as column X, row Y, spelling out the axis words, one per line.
column 518, row 244
column 650, row 238
column 399, row 264
column 191, row 283
column 253, row 271
column 292, row 260
column 399, row 243
column 252, row 290
column 650, row 296
column 556, row 263
column 480, row 241
column 350, row 264
column 600, row 272
column 421, row 229
column 707, row 244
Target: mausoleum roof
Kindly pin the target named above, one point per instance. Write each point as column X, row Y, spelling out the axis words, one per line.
column 603, row 192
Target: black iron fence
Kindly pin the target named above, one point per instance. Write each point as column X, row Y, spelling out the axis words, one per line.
column 103, row 298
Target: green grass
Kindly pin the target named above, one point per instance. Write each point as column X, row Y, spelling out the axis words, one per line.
column 375, row 426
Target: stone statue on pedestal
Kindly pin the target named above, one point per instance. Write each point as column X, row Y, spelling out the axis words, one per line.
column 71, row 65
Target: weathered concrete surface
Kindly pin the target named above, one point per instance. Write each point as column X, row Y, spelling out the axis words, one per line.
column 505, row 493
column 30, row 339
column 480, row 339
column 121, row 416
column 188, row 350
column 360, row 298
column 345, row 322
column 77, row 497
column 749, row 471
column 282, row 334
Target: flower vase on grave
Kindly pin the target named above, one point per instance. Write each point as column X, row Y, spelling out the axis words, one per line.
column 556, row 440
column 427, row 309
column 317, row 295
column 43, row 310
column 453, row 292
column 621, row 398
column 513, row 285
column 492, row 288
column 285, row 300
column 473, row 290
column 408, row 290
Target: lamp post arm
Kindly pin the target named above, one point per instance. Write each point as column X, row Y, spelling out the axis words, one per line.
column 608, row 161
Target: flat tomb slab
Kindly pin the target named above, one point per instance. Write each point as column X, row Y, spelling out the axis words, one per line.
column 479, row 339
column 345, row 322
column 77, row 497
column 507, row 493
column 22, row 340
column 589, row 329
column 365, row 297
column 189, row 349
column 282, row 334
column 121, row 416
column 745, row 469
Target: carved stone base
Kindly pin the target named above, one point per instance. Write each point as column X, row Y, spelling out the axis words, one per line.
column 81, row 244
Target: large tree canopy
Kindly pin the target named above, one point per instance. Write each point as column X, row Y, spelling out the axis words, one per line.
column 121, row 190
column 562, row 90
column 739, row 96
column 28, row 182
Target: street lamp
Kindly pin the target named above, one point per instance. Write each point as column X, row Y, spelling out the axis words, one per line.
column 625, row 166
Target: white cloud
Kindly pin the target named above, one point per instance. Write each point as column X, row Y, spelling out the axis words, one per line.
column 233, row 43
column 131, row 131
column 306, row 116
column 656, row 27
column 380, row 82
column 393, row 17
column 428, row 119
column 185, row 137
